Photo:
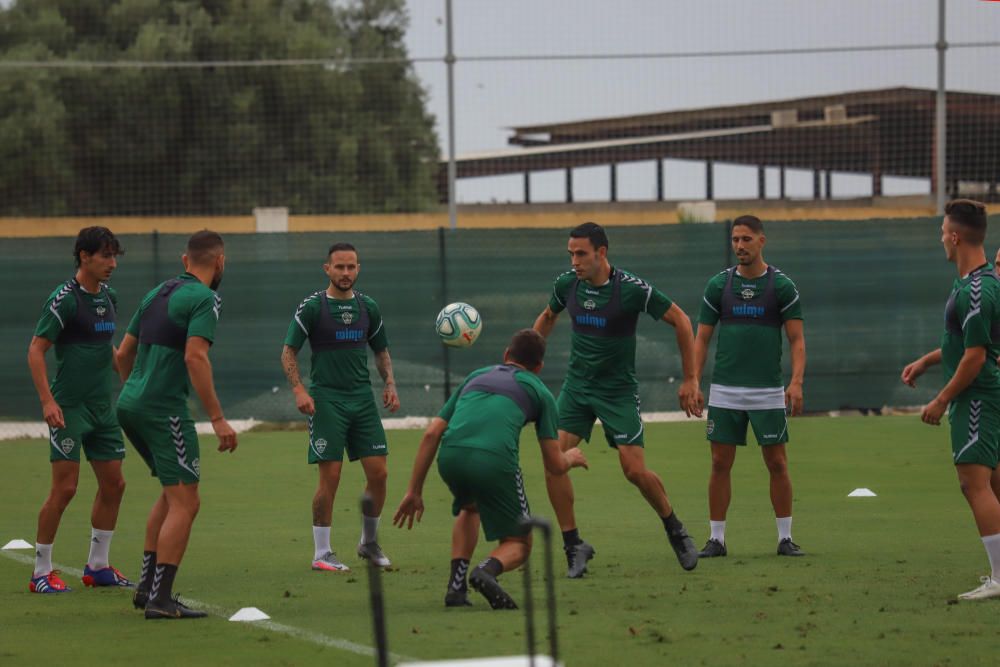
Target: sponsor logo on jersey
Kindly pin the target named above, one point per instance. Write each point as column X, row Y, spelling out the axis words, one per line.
column 345, row 307
column 748, row 310
column 67, row 445
column 587, row 290
column 746, row 293
column 347, row 318
column 590, row 304
column 320, row 445
column 350, row 335
column 592, row 321
column 104, row 327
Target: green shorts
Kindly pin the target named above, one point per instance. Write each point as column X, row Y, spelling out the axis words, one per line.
column 351, row 424
column 975, row 425
column 620, row 416
column 490, row 483
column 167, row 443
column 729, row 427
column 92, row 427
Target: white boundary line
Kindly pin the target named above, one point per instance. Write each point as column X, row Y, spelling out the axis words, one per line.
column 221, row 612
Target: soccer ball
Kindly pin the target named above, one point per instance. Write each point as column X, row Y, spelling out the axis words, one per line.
column 459, row 324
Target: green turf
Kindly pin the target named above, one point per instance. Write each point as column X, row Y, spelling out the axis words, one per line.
column 877, row 587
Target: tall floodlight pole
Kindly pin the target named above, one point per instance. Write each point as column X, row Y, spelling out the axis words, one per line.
column 449, row 61
column 940, row 117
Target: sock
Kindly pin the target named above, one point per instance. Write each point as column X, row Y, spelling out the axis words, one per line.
column 571, row 538
column 992, row 544
column 369, row 529
column 718, row 531
column 163, row 583
column 43, row 559
column 672, row 524
column 146, row 573
column 100, row 544
column 784, row 527
column 459, row 570
column 492, row 566
column 321, row 540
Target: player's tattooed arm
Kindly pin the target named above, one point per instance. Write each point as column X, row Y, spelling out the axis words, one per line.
column 290, row 363
column 383, row 363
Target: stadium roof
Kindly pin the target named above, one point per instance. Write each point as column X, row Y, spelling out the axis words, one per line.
column 880, row 132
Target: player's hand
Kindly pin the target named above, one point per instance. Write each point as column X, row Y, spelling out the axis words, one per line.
column 575, row 458
column 226, row 434
column 689, row 396
column 933, row 411
column 304, row 402
column 53, row 414
column 390, row 398
column 793, row 399
column 912, row 372
column 411, row 507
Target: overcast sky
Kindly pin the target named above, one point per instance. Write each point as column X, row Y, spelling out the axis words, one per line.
column 491, row 96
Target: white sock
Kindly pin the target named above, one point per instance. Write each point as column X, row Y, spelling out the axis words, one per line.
column 718, row 531
column 100, row 545
column 369, row 529
column 43, row 559
column 784, row 527
column 992, row 544
column 321, row 539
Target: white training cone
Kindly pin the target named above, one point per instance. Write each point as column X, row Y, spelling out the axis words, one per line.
column 249, row 614
column 861, row 493
column 18, row 544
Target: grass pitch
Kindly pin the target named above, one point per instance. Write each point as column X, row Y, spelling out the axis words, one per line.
column 878, row 585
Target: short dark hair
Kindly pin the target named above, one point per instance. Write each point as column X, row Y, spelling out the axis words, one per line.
column 592, row 231
column 95, row 239
column 342, row 246
column 205, row 246
column 750, row 221
column 970, row 216
column 527, row 347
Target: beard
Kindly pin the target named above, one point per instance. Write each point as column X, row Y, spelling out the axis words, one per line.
column 340, row 284
column 216, row 281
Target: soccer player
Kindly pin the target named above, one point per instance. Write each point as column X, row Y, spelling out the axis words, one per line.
column 478, row 431
column 604, row 303
column 751, row 303
column 166, row 345
column 340, row 323
column 971, row 394
column 79, row 320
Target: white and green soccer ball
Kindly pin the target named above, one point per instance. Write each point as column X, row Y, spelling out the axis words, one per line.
column 459, row 324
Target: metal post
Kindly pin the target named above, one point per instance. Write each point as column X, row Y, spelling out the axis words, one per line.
column 817, row 192
column 709, row 181
column 828, row 182
column 569, row 185
column 781, row 182
column 728, row 229
column 614, row 181
column 940, row 117
column 449, row 61
column 527, row 187
column 445, row 350
column 761, row 182
column 659, row 179
column 156, row 256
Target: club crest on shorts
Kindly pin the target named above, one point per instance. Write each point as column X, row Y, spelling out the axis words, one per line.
column 746, row 293
column 709, row 427
column 320, row 445
column 67, row 445
column 196, row 466
column 347, row 317
column 590, row 304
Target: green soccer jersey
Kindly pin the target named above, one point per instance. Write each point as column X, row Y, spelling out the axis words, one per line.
column 338, row 373
column 159, row 383
column 605, row 363
column 747, row 353
column 972, row 319
column 83, row 370
column 488, row 414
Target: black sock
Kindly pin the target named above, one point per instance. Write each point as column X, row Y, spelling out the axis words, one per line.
column 492, row 566
column 459, row 570
column 163, row 583
column 146, row 573
column 571, row 538
column 672, row 524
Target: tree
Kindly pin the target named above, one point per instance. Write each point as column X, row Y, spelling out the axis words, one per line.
column 210, row 139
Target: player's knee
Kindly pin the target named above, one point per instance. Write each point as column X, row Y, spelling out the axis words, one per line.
column 377, row 476
column 634, row 474
column 721, row 464
column 62, row 493
column 778, row 468
column 113, row 489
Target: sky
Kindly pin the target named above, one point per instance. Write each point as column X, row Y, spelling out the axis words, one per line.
column 493, row 96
